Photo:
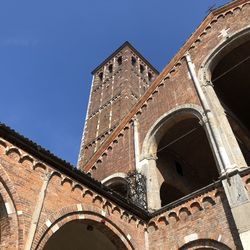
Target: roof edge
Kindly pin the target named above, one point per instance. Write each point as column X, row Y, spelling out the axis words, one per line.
column 66, row 168
column 118, row 50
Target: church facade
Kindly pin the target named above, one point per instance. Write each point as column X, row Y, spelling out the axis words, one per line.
column 164, row 159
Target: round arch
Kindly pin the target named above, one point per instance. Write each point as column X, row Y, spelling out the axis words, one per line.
column 149, row 146
column 118, row 183
column 177, row 156
column 210, row 62
column 224, row 73
column 91, row 218
column 114, row 176
column 204, row 244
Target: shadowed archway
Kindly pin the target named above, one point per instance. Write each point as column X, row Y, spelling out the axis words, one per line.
column 181, row 160
column 230, row 76
column 84, row 234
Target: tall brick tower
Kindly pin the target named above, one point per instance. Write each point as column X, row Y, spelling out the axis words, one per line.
column 117, row 85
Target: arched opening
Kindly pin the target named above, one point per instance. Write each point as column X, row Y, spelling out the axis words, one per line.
column 185, row 161
column 119, row 60
column 204, row 244
column 231, row 77
column 84, row 234
column 119, row 185
column 169, row 193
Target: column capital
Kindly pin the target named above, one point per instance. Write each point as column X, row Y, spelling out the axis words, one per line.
column 207, row 83
column 150, row 157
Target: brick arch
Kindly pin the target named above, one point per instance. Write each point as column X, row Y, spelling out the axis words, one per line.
column 149, row 144
column 84, row 212
column 209, row 244
column 235, row 39
column 114, row 176
column 117, row 182
column 187, row 116
column 14, row 223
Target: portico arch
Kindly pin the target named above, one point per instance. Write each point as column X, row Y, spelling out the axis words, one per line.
column 150, row 142
column 205, row 244
column 84, row 234
column 177, row 157
column 70, row 222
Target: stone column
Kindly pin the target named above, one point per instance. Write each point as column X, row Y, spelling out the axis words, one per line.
column 149, row 169
column 233, row 185
column 230, row 143
column 239, row 203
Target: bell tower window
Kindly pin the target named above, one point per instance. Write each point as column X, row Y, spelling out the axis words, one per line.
column 142, row 68
column 119, row 60
column 133, row 61
column 110, row 68
column 100, row 76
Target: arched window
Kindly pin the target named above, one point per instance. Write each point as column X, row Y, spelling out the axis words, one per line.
column 118, row 184
column 110, row 68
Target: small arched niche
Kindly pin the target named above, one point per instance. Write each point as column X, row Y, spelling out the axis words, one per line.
column 184, row 160
column 230, row 76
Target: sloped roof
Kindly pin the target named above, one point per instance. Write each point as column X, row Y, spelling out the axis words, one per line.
column 125, row 44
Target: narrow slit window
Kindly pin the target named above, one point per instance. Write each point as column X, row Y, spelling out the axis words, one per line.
column 142, row 68
column 133, row 61
column 100, row 76
column 110, row 68
column 150, row 76
column 119, row 60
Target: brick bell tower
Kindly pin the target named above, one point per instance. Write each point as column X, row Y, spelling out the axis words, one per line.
column 117, row 85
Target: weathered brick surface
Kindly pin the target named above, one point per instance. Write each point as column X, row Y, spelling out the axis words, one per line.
column 202, row 220
column 113, row 96
column 61, row 204
column 206, row 215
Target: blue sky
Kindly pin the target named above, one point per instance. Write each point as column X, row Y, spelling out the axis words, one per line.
column 49, row 48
